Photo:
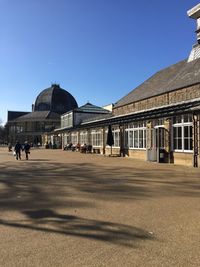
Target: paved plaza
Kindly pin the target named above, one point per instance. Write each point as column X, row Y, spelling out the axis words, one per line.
column 70, row 209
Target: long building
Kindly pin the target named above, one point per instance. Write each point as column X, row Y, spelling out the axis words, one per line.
column 157, row 121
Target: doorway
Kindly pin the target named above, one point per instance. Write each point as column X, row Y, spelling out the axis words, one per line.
column 156, row 144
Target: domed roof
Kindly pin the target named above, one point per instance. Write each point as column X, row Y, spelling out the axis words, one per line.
column 55, row 99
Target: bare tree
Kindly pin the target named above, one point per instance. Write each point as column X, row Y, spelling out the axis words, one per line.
column 3, row 133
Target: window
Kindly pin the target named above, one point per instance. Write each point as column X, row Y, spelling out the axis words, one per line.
column 135, row 135
column 116, row 138
column 66, row 139
column 130, row 138
column 74, row 138
column 182, row 133
column 83, row 138
column 96, row 136
column 66, row 120
column 19, row 129
column 142, row 138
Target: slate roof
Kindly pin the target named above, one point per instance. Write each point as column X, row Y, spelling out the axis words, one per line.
column 39, row 116
column 177, row 76
column 90, row 108
column 12, row 115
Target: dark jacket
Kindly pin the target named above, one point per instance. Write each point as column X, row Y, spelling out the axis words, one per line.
column 27, row 147
column 18, row 147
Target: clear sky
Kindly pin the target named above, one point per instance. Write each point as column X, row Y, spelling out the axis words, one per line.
column 98, row 50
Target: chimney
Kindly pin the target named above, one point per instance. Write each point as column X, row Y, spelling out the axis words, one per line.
column 194, row 13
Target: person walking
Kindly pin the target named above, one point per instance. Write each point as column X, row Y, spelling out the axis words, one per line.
column 9, row 147
column 17, row 149
column 27, row 149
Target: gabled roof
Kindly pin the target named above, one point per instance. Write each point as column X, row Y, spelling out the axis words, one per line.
column 177, row 76
column 39, row 116
column 90, row 108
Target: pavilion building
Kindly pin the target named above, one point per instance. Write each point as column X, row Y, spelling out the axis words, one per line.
column 157, row 121
column 45, row 116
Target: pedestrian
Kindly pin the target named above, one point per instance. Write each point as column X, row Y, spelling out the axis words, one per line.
column 9, row 147
column 17, row 149
column 27, row 149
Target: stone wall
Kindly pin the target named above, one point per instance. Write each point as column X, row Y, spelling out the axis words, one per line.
column 184, row 94
column 185, row 159
column 137, row 154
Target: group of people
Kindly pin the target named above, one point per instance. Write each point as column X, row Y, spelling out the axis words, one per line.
column 18, row 148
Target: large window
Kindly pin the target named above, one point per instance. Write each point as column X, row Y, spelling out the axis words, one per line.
column 83, row 138
column 66, row 139
column 135, row 136
column 182, row 133
column 66, row 120
column 96, row 137
column 116, row 134
column 74, row 138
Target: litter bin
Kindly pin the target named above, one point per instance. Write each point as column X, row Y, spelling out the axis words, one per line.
column 162, row 155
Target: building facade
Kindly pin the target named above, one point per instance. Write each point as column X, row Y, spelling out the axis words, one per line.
column 71, row 120
column 157, row 121
column 45, row 116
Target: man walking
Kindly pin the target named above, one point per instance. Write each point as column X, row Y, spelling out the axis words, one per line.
column 27, row 149
column 17, row 150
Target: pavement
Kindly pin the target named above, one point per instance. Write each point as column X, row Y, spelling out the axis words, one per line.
column 63, row 208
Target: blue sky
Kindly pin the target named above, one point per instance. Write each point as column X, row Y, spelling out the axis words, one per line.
column 98, row 50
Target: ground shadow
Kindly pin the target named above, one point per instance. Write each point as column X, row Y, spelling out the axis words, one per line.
column 39, row 189
column 118, row 234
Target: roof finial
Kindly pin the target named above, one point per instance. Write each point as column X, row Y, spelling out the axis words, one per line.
column 194, row 13
column 55, row 85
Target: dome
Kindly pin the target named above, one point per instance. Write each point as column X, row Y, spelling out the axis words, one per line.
column 55, row 99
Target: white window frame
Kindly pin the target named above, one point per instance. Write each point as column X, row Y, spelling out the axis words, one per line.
column 74, row 138
column 132, row 133
column 116, row 137
column 96, row 138
column 83, row 137
column 66, row 139
column 66, row 120
column 182, row 125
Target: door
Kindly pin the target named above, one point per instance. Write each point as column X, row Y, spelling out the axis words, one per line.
column 151, row 145
column 156, row 144
column 160, row 144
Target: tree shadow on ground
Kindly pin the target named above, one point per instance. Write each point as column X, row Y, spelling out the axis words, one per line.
column 51, row 222
column 48, row 185
column 37, row 189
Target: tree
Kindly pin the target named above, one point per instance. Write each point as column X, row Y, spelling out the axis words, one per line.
column 3, row 133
